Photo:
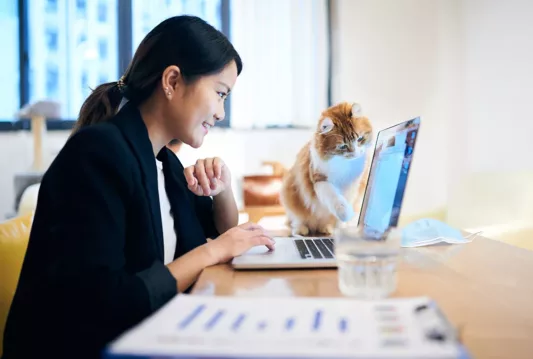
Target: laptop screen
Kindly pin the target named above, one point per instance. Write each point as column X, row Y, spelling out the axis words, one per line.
column 388, row 176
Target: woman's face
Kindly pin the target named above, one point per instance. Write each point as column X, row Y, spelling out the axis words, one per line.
column 195, row 108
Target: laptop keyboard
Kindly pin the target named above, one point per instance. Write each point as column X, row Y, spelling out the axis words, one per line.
column 315, row 248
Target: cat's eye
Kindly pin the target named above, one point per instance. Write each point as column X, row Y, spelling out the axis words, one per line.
column 343, row 147
column 361, row 140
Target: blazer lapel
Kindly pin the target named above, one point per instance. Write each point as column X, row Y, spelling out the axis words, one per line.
column 130, row 122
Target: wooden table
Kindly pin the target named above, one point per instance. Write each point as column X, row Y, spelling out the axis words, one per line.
column 484, row 287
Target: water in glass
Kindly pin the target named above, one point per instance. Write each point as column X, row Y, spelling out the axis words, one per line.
column 366, row 261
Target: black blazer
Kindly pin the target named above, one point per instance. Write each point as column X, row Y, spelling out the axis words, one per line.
column 94, row 263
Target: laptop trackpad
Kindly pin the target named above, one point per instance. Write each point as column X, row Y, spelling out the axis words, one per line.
column 283, row 245
column 258, row 250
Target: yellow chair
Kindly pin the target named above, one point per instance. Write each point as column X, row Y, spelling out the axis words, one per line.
column 14, row 235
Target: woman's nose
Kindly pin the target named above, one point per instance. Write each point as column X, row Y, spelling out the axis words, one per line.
column 219, row 116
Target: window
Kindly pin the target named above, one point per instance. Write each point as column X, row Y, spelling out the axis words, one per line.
column 52, row 80
column 51, row 39
column 84, row 83
column 102, row 48
column 68, row 53
column 102, row 11
column 72, row 46
column 81, row 8
column 147, row 14
column 102, row 79
column 81, row 5
column 51, row 6
column 9, row 61
column 82, row 38
column 297, row 30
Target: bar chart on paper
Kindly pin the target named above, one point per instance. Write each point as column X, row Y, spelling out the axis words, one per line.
column 225, row 327
column 208, row 319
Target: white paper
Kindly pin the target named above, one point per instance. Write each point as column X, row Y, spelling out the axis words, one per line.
column 240, row 327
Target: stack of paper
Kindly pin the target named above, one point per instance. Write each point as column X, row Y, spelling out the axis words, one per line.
column 233, row 327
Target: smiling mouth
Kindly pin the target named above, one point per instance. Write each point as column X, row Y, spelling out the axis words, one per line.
column 206, row 125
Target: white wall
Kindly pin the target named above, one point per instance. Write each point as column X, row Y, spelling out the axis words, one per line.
column 498, row 58
column 466, row 67
column 495, row 165
column 399, row 60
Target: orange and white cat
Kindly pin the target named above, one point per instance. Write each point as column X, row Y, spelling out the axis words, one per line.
column 329, row 173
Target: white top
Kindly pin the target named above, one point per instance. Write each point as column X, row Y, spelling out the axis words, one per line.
column 169, row 236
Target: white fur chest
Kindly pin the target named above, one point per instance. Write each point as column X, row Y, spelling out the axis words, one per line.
column 341, row 172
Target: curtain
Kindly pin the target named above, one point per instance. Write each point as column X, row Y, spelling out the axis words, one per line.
column 283, row 45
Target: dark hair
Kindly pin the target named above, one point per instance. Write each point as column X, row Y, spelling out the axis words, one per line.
column 188, row 42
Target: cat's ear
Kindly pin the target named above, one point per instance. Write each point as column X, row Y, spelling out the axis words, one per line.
column 357, row 111
column 325, row 125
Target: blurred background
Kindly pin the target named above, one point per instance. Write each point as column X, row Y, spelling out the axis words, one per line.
column 464, row 66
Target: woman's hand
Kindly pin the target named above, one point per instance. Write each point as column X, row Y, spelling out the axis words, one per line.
column 236, row 241
column 208, row 177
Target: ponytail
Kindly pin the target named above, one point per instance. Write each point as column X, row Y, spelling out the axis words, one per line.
column 100, row 106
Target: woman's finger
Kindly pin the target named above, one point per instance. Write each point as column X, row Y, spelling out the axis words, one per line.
column 217, row 165
column 192, row 182
column 257, row 232
column 210, row 172
column 263, row 240
column 270, row 247
column 197, row 190
column 189, row 175
column 200, row 175
column 250, row 225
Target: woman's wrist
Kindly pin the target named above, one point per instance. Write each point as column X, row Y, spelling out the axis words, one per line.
column 208, row 253
column 225, row 211
column 226, row 193
column 202, row 256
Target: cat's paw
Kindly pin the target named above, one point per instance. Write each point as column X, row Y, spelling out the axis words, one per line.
column 344, row 211
column 300, row 230
column 327, row 230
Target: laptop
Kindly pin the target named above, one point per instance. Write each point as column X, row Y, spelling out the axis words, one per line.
column 380, row 208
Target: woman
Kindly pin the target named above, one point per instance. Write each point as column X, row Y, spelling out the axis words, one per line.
column 108, row 245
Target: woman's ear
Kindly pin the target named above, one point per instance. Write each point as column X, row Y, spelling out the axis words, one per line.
column 170, row 80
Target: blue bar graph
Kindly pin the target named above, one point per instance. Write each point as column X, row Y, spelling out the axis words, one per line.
column 289, row 323
column 238, row 321
column 262, row 325
column 316, row 323
column 214, row 319
column 188, row 319
column 236, row 324
column 343, row 325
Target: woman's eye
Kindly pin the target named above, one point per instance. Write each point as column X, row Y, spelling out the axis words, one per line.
column 221, row 94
